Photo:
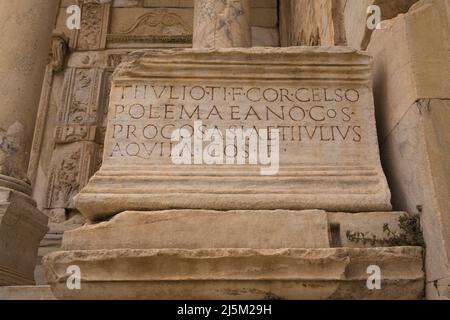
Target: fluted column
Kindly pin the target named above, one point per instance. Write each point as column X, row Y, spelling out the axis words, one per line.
column 222, row 24
column 26, row 31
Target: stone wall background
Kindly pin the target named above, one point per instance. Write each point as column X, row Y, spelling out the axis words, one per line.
column 412, row 90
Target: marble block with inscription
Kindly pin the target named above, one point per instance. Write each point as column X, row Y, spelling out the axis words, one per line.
column 319, row 99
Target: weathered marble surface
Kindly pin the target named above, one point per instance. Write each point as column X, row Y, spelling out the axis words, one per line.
column 193, row 229
column 22, row 227
column 257, row 229
column 312, row 22
column 222, row 24
column 355, row 18
column 412, row 90
column 320, row 98
column 238, row 273
column 26, row 293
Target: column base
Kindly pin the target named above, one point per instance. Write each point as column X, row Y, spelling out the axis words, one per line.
column 22, row 227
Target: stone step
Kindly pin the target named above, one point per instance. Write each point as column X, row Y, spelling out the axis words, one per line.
column 257, row 229
column 237, row 274
column 26, row 293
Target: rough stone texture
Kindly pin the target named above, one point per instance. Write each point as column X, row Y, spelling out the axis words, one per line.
column 22, row 227
column 26, row 293
column 222, row 24
column 412, row 67
column 328, row 156
column 199, row 254
column 369, row 223
column 312, row 23
column 52, row 241
column 238, row 273
column 416, row 161
column 356, row 15
column 417, row 67
column 191, row 229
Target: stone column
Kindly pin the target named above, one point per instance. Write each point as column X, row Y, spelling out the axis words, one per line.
column 25, row 45
column 24, row 41
column 312, row 23
column 222, row 24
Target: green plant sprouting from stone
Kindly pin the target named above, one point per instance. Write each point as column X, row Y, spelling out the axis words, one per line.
column 410, row 234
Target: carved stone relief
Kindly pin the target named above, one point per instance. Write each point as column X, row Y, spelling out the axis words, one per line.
column 79, row 97
column 163, row 26
column 73, row 165
column 222, row 24
column 59, row 51
column 78, row 134
column 64, row 181
column 159, row 22
column 94, row 25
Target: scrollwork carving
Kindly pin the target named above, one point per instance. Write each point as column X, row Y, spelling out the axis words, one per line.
column 160, row 22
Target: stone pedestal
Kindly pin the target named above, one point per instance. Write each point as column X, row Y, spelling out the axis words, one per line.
column 229, row 231
column 25, row 42
column 318, row 98
column 22, row 227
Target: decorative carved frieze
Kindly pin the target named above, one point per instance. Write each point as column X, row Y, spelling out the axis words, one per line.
column 94, row 25
column 70, row 174
column 162, row 26
column 74, row 133
column 80, row 97
column 64, row 181
column 159, row 22
column 79, row 134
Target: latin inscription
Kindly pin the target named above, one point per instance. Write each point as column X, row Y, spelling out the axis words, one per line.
column 143, row 117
